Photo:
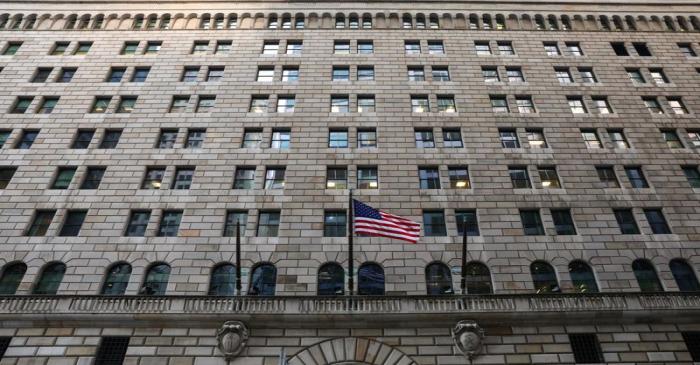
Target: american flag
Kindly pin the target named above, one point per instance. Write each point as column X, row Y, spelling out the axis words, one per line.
column 374, row 222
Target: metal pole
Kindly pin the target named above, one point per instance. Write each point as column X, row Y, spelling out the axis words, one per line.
column 238, row 256
column 464, row 255
column 351, row 279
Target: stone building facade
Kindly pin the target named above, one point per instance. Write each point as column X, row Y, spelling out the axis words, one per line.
column 134, row 134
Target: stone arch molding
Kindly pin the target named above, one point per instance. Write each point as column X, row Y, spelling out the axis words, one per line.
column 350, row 350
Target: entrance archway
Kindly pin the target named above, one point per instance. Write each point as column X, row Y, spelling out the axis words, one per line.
column 350, row 351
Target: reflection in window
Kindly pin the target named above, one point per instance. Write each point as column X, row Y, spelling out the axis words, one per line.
column 263, row 279
column 438, row 279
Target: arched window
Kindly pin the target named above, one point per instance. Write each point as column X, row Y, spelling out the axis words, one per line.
column 156, row 280
column 582, row 277
column 50, row 279
column 646, row 276
column 438, row 279
column 370, row 279
column 684, row 275
column 117, row 279
column 11, row 278
column 478, row 279
column 299, row 21
column 331, row 279
column 367, row 21
column 434, row 21
column 223, row 280
column 340, row 21
column 263, row 280
column 544, row 278
column 354, row 23
column 420, row 21
column 407, row 21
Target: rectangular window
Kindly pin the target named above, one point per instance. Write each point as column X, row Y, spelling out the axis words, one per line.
column 340, row 104
column 482, row 48
column 365, row 47
column 129, row 48
column 223, row 47
column 619, row 49
column 653, row 105
column 167, row 138
column 657, row 222
column 4, row 135
column 252, row 138
column 40, row 223
column 436, row 47
column 617, row 137
column 294, row 47
column 411, row 47
column 152, row 47
column 112, row 350
column 110, row 138
column 532, row 222
column 233, row 218
column 505, row 48
column 690, row 172
column 642, row 49
column 245, row 178
column 72, row 223
column 525, row 104
column 83, row 48
column 548, row 177
column 574, row 49
column 21, row 104
column 6, row 174
column 138, row 221
column 687, row 49
column 636, row 76
column 429, row 177
column 563, row 223
column 259, row 104
column 658, row 76
column 195, row 138
column 83, row 138
column 26, row 139
column 140, row 74
column 116, row 74
column 692, row 343
column 274, row 178
column 515, row 74
column 535, row 138
column 452, row 138
column 576, row 105
column 587, row 76
column 270, row 47
column 424, row 138
column 519, row 177
column 12, row 48
column 601, row 104
column 200, row 47
column 341, row 73
column 4, row 341
column 59, row 48
column 153, row 178
column 183, row 178
column 467, row 218
column 367, row 177
column 268, row 223
column 446, row 104
column 563, row 75
column 509, row 138
column 607, row 176
column 126, row 104
column 586, row 348
column 365, row 73
column 338, row 138
column 636, row 177
column 366, row 138
column 341, row 47
column 336, row 178
column 42, row 74
column 625, row 219
column 215, row 74
column 63, row 178
column 490, row 74
column 694, row 138
column 290, row 73
column 66, row 74
column 416, row 73
column 499, row 104
column 441, row 73
column 280, row 139
column 420, row 104
column 672, row 139
column 551, row 49
column 459, row 177
column 93, row 178
column 205, row 104
column 169, row 223
column 434, row 223
column 334, row 224
column 48, row 103
column 190, row 74
column 677, row 106
column 365, row 104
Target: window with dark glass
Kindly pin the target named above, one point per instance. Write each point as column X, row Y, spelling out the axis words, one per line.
column 48, row 103
column 83, row 138
column 656, row 221
column 6, row 174
column 647, row 279
column 138, row 221
column 169, row 223
column 245, row 178
column 582, row 277
column 625, row 219
column 452, row 137
column 83, row 48
column 263, row 280
column 153, row 178
column 183, row 178
column 66, row 74
column 58, row 49
column 73, row 222
column 268, row 223
column 548, row 177
column 692, row 343
column 222, row 47
column 617, row 137
column 195, row 138
column 63, row 178
column 40, row 223
column 334, row 224
column 424, row 138
column 438, row 279
column 563, row 223
column 434, row 223
column 140, row 74
column 50, row 279
column 636, row 177
column 619, row 48
column 336, row 178
column 586, row 348
column 156, row 281
column 152, row 47
column 331, row 279
column 467, row 218
column 110, row 138
column 205, row 103
column 671, row 138
column 167, row 138
column 590, row 137
column 370, row 279
column 129, row 48
column 544, row 278
column 684, row 274
column 509, row 138
column 693, row 175
column 653, row 105
column 429, row 178
column 100, row 104
column 126, row 104
column 642, row 49
column 532, row 222
column 519, row 177
column 117, row 279
column 12, row 48
column 499, row 104
column 26, row 139
column 179, row 104
column 116, row 74
column 93, row 177
column 222, row 280
column 478, row 279
column 21, row 104
column 42, row 74
column 12, row 275
column 274, row 178
column 4, row 135
column 190, row 74
column 367, row 177
column 234, row 217
column 607, row 176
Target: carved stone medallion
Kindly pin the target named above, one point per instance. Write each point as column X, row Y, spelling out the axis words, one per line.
column 231, row 338
column 468, row 336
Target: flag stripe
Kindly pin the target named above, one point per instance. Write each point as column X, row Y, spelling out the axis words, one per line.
column 388, row 224
column 380, row 234
column 373, row 222
column 378, row 227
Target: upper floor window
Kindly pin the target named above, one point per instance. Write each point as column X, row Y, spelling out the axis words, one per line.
column 412, row 47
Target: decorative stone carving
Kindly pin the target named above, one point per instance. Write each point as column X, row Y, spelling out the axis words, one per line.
column 231, row 338
column 469, row 337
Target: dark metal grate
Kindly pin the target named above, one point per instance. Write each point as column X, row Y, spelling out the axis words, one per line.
column 112, row 351
column 4, row 344
column 586, row 348
column 692, row 342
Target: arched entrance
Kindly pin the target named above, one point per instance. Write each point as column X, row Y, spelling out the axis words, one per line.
column 350, row 351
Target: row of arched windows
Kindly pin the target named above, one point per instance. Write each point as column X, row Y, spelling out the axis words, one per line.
column 331, row 278
column 576, row 22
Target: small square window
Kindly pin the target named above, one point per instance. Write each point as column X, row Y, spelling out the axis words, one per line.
column 294, row 47
column 452, row 138
column 140, row 74
column 519, row 177
column 116, row 74
column 252, row 138
column 126, row 104
column 574, row 49
column 505, row 48
column 602, row 105
column 576, row 105
column 626, row 222
column 653, row 105
column 93, row 178
column 100, row 104
column 259, row 104
column 636, row 76
column 509, row 138
column 642, row 49
column 551, row 49
column 434, row 223
column 290, row 73
column 190, row 74
column 268, row 224
column 40, row 223
column 367, row 177
column 223, row 47
column 245, row 178
column 691, row 173
column 532, row 222
column 424, row 138
column 535, row 138
column 280, row 139
column 235, row 218
column 365, row 47
column 4, row 135
column 563, row 223
column 205, row 104
column 587, row 75
column 619, row 48
column 167, row 138
column 677, row 106
column 340, row 104
column 658, row 76
column 26, row 139
column 467, row 219
column 152, row 47
column 129, row 48
column 334, row 224
column 341, row 73
column 412, row 47
column 586, row 348
column 687, row 49
column 694, row 138
column 420, row 104
column 21, row 104
column 482, row 48
column 636, row 177
column 515, row 74
column 490, row 74
column 59, row 48
column 48, row 103
column 195, row 138
column 563, row 75
column 336, row 178
column 366, row 138
column 459, row 177
column 525, row 104
column 446, row 104
column 73, row 223
column 365, row 73
column 200, row 47
column 153, row 178
column 617, row 137
column 179, row 104
column 607, row 177
column 548, row 177
column 111, row 138
column 436, row 47
column 63, row 178
column 6, row 174
column 42, row 74
column 83, row 138
column 183, row 178
column 138, row 221
column 672, row 139
column 66, row 74
column 440, row 73
column 365, row 104
column 341, row 47
column 429, row 177
column 11, row 48
column 215, row 74
column 416, row 73
column 274, row 178
column 286, row 103
column 656, row 221
column 338, row 138
column 499, row 104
